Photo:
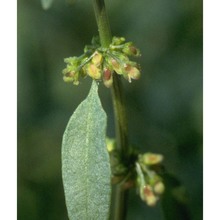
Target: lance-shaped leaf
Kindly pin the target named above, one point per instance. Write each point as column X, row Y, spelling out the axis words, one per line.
column 85, row 161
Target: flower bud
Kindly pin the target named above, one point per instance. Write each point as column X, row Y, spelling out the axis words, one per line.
column 67, row 79
column 68, row 75
column 76, row 82
column 97, row 58
column 130, row 49
column 116, row 66
column 120, row 56
column 132, row 72
column 93, row 71
column 152, row 159
column 150, row 198
column 73, row 61
column 107, row 78
column 118, row 40
column 159, row 188
column 111, row 144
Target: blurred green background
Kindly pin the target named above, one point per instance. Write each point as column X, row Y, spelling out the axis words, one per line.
column 164, row 107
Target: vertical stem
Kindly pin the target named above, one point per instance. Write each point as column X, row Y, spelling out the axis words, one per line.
column 118, row 193
column 120, row 118
column 102, row 22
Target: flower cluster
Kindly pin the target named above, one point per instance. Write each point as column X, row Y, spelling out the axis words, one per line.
column 149, row 183
column 100, row 63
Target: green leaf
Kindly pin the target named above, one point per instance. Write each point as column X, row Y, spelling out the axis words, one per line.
column 46, row 4
column 85, row 161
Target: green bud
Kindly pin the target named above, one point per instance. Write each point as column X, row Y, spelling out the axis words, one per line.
column 159, row 188
column 67, row 79
column 68, row 75
column 118, row 40
column 151, row 158
column 75, row 77
column 76, row 82
column 111, row 144
column 73, row 61
column 131, row 50
column 120, row 56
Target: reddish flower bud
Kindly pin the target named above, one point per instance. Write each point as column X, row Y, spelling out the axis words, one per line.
column 107, row 78
column 150, row 198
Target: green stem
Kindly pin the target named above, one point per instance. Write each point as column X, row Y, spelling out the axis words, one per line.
column 120, row 118
column 118, row 193
column 102, row 22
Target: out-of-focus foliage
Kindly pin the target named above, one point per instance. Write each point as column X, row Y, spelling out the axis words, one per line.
column 164, row 107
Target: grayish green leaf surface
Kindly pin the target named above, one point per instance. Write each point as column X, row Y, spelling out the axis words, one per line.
column 85, row 161
column 46, row 4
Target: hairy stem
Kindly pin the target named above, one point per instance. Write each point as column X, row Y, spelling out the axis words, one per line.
column 118, row 193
